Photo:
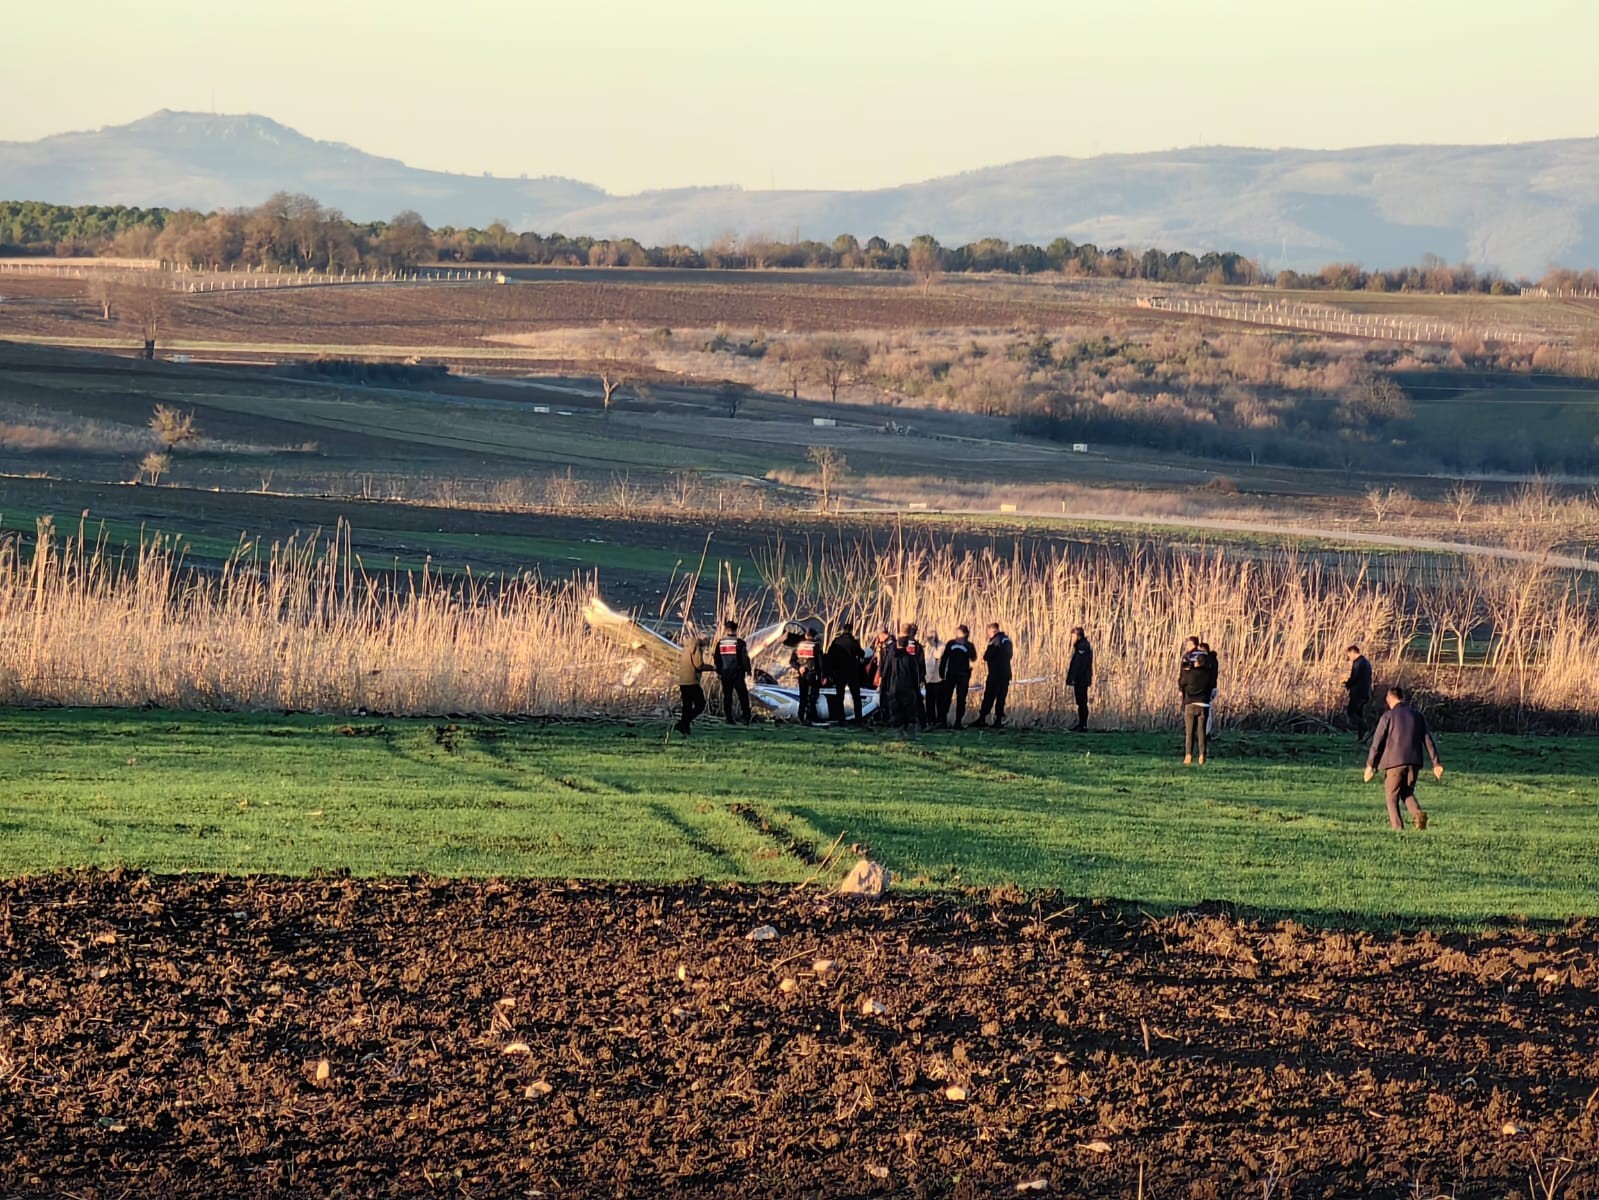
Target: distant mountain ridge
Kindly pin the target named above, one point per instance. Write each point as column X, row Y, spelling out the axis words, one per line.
column 1517, row 208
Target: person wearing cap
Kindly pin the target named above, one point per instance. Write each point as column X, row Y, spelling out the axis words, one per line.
column 907, row 671
column 807, row 663
column 955, row 666
column 1397, row 748
column 732, row 669
column 845, row 662
column 1196, row 682
column 691, row 665
column 997, row 657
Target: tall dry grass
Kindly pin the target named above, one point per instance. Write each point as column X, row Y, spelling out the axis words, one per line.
column 1501, row 644
column 297, row 626
column 301, row 626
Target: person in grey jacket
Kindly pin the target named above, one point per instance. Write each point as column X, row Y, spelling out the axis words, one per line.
column 1397, row 746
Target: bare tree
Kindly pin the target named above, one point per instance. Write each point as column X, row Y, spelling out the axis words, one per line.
column 155, row 464
column 1383, row 501
column 617, row 370
column 1462, row 498
column 625, row 494
column 795, row 371
column 102, row 291
column 830, row 467
column 563, row 491
column 143, row 310
column 732, row 395
column 840, row 361
column 171, row 427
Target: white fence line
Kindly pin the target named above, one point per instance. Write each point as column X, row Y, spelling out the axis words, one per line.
column 183, row 280
column 1317, row 319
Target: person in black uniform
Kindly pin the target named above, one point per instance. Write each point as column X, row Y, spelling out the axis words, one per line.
column 807, row 663
column 906, row 674
column 1397, row 746
column 1080, row 676
column 844, row 661
column 1196, row 681
column 732, row 668
column 1358, row 685
column 997, row 656
column 955, row 664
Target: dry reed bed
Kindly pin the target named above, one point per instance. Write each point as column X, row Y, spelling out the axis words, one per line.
column 301, row 626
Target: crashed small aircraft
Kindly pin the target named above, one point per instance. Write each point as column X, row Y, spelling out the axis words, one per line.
column 776, row 699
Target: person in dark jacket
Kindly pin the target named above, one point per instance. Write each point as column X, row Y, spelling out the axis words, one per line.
column 845, row 664
column 807, row 663
column 1080, row 676
column 732, row 668
column 907, row 671
column 1196, row 681
column 691, row 665
column 1358, row 685
column 1397, row 746
column 997, row 656
column 955, row 665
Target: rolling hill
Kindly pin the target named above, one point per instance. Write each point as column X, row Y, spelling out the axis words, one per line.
column 1517, row 208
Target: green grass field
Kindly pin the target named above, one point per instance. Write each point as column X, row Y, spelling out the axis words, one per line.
column 1273, row 823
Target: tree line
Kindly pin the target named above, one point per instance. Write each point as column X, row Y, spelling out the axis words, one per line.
column 295, row 232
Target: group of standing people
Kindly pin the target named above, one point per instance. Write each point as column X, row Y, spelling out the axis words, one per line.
column 920, row 687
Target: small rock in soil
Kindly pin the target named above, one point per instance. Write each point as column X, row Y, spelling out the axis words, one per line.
column 866, row 878
column 955, row 1092
column 871, row 1008
column 1033, row 1185
column 761, row 933
column 788, row 985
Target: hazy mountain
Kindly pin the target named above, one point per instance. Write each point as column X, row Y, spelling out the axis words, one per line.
column 1514, row 207
column 178, row 159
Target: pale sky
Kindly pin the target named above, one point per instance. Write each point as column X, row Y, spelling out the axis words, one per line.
column 634, row 94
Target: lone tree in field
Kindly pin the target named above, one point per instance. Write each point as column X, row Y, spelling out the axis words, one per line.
column 830, row 467
column 142, row 309
column 795, row 370
column 926, row 260
column 840, row 361
column 731, row 395
column 616, row 371
column 171, row 427
column 155, row 464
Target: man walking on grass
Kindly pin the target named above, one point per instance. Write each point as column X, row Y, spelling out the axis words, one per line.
column 691, row 665
column 1080, row 676
column 1397, row 746
column 1358, row 685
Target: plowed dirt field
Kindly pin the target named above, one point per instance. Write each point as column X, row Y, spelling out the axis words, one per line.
column 189, row 1037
